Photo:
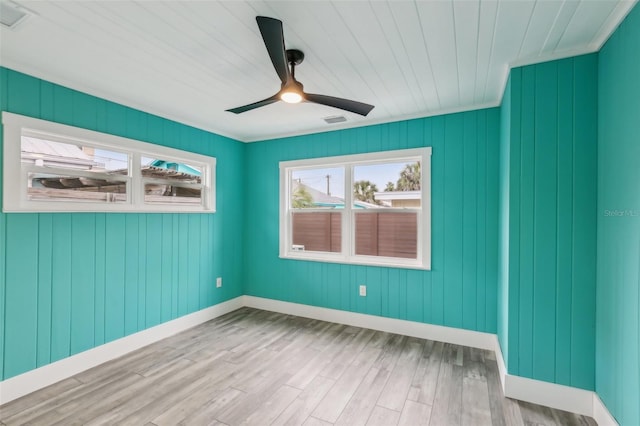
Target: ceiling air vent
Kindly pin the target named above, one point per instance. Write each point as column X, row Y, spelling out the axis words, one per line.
column 334, row 119
column 11, row 15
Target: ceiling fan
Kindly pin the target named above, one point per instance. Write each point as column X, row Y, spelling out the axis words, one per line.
column 285, row 61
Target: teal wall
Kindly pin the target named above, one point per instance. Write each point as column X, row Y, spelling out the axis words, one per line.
column 70, row 282
column 460, row 291
column 618, row 294
column 549, row 210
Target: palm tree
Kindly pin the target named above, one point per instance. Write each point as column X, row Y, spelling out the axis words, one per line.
column 390, row 187
column 301, row 198
column 409, row 178
column 365, row 190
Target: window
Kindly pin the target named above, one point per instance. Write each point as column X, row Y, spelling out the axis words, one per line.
column 371, row 209
column 51, row 167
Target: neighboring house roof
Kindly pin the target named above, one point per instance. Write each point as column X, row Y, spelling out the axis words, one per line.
column 55, row 153
column 320, row 199
column 180, row 167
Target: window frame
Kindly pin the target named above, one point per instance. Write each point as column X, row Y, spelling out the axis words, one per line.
column 347, row 254
column 15, row 171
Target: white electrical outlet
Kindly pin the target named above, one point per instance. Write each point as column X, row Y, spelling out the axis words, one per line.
column 363, row 290
column 219, row 282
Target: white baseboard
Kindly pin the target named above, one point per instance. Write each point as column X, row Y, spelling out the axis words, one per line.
column 31, row 381
column 439, row 333
column 535, row 391
column 601, row 414
column 552, row 395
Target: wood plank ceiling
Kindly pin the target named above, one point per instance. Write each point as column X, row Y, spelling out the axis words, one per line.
column 191, row 60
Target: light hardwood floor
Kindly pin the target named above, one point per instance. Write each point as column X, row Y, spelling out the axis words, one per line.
column 262, row 368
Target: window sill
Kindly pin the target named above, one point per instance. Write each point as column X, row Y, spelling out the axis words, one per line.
column 356, row 260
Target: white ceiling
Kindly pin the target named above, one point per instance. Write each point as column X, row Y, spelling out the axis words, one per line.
column 191, row 60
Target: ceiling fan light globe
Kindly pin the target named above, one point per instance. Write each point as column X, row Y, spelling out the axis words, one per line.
column 291, row 97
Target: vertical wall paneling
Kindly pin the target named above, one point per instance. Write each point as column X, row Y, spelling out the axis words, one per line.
column 618, row 222
column 83, row 259
column 547, row 228
column 544, row 213
column 72, row 281
column 470, row 214
column 438, row 183
column 60, row 287
column 491, row 220
column 480, row 238
column 100, row 280
column 585, row 220
column 45, row 265
column 153, row 290
column 458, row 291
column 453, row 209
column 564, row 188
column 143, row 258
column 131, row 265
column 21, row 313
column 115, row 276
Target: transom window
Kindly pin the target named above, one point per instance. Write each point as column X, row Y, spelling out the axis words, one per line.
column 52, row 167
column 371, row 209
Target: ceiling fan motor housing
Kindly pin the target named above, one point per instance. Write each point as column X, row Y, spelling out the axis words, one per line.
column 295, row 56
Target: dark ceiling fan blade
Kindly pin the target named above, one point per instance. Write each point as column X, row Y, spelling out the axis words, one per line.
column 345, row 104
column 254, row 105
column 273, row 37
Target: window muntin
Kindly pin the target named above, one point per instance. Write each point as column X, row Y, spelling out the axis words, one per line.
column 377, row 221
column 53, row 167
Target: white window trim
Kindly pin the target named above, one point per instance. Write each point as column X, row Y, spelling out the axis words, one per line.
column 15, row 173
column 348, row 256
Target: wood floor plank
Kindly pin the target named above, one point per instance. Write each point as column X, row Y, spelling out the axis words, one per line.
column 415, row 414
column 397, row 388
column 34, row 402
column 536, row 414
column 258, row 367
column 475, row 402
column 273, row 406
column 381, row 416
column 447, row 391
column 342, row 360
column 334, row 338
column 302, row 407
column 241, row 408
column 363, row 401
column 496, row 396
column 334, row 402
column 312, row 421
column 193, row 391
column 512, row 414
column 208, row 412
column 125, row 401
column 65, row 404
column 423, row 386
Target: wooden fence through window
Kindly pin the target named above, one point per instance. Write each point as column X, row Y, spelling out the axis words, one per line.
column 390, row 234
